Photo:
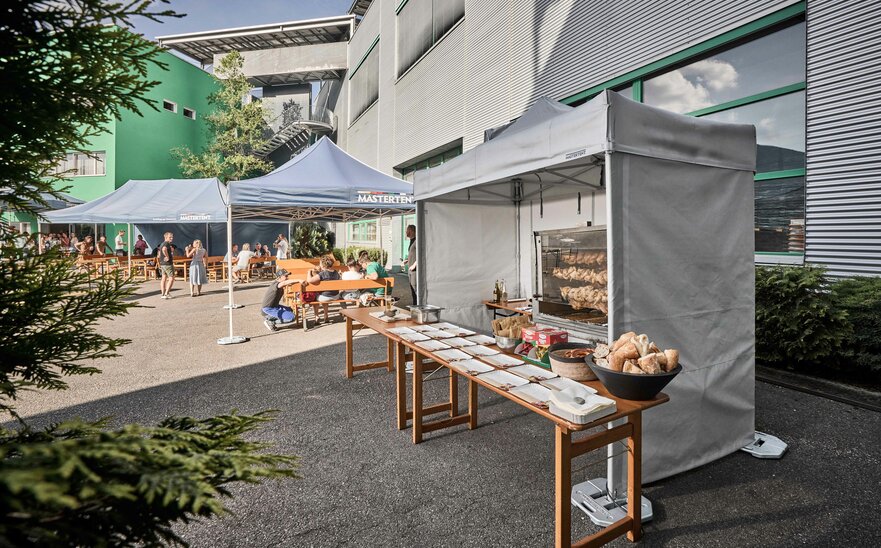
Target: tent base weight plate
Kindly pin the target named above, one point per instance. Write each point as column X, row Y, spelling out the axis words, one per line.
column 592, row 498
column 766, row 446
column 232, row 340
column 233, row 306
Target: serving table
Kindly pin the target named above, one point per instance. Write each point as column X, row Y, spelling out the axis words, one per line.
column 566, row 447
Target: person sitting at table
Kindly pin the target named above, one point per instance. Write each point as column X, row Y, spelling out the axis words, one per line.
column 140, row 246
column 275, row 314
column 353, row 272
column 373, row 270
column 235, row 254
column 243, row 262
column 325, row 272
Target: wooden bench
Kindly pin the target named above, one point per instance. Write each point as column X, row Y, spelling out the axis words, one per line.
column 294, row 291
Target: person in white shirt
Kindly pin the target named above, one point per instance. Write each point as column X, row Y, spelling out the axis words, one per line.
column 243, row 262
column 119, row 244
column 353, row 273
column 281, row 245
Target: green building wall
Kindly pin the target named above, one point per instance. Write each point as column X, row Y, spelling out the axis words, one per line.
column 139, row 146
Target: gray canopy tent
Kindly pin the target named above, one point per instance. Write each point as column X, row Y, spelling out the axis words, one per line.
column 675, row 194
column 322, row 183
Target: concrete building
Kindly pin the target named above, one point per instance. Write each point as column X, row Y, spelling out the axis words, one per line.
column 425, row 80
column 138, row 146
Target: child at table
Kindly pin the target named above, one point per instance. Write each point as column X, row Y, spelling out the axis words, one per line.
column 353, row 273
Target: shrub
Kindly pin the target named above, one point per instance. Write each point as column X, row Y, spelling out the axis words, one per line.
column 311, row 240
column 798, row 322
column 860, row 297
column 342, row 254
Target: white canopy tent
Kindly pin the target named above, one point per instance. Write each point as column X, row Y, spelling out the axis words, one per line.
column 322, row 183
column 675, row 194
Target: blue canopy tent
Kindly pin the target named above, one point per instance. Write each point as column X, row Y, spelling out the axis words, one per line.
column 156, row 206
column 322, row 183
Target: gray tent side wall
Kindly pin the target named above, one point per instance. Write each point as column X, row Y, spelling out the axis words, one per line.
column 683, row 272
column 464, row 249
column 185, row 233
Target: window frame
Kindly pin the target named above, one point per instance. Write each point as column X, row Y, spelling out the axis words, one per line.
column 354, row 119
column 191, row 111
column 400, row 73
column 172, row 110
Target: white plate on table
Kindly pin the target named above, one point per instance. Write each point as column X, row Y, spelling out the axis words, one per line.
column 432, row 345
column 502, row 379
column 400, row 330
column 438, row 334
column 481, row 339
column 414, row 337
column 445, row 325
column 502, row 360
column 471, row 367
column 458, row 342
column 459, row 332
column 533, row 373
column 478, row 350
column 535, row 394
column 561, row 383
column 452, row 355
column 423, row 328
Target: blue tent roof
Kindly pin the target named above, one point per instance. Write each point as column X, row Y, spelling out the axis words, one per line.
column 159, row 201
column 322, row 182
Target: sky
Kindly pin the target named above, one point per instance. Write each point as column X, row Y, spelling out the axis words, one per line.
column 219, row 14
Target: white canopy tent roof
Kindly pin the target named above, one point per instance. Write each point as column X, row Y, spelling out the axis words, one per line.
column 675, row 194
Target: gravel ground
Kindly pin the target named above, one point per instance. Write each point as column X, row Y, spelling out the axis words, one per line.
column 365, row 484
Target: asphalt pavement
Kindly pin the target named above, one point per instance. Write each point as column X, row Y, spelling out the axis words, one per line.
column 365, row 484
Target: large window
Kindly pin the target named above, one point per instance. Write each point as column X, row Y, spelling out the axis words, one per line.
column 362, row 231
column 364, row 83
column 82, row 163
column 755, row 78
column 421, row 24
column 409, row 171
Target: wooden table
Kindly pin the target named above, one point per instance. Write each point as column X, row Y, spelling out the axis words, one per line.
column 508, row 306
column 566, row 448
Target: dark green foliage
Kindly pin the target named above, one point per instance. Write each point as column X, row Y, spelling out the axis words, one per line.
column 797, row 320
column 311, row 240
column 81, row 484
column 373, row 252
column 861, row 298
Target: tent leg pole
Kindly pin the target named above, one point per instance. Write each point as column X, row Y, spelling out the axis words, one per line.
column 231, row 339
column 129, row 250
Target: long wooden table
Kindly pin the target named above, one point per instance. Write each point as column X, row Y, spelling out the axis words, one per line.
column 566, row 448
column 509, row 306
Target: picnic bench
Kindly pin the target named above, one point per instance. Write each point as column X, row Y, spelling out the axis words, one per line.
column 294, row 293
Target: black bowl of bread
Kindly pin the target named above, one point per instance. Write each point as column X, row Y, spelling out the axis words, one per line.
column 633, row 367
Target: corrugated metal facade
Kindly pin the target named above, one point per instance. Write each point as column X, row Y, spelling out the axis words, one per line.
column 843, row 187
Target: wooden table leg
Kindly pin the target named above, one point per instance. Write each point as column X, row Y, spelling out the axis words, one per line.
column 401, row 385
column 634, row 477
column 472, row 404
column 417, row 397
column 349, row 351
column 563, row 488
column 454, row 393
column 391, row 355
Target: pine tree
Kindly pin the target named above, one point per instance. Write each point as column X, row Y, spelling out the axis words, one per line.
column 83, row 483
column 237, row 125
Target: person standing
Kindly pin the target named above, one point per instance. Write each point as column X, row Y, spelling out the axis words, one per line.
column 198, row 267
column 166, row 265
column 119, row 244
column 410, row 261
column 86, row 247
column 281, row 246
column 102, row 247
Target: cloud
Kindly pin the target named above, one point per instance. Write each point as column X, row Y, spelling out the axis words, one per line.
column 693, row 87
column 715, row 74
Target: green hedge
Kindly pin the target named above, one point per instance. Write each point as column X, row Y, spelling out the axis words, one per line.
column 310, row 240
column 373, row 252
column 798, row 321
column 860, row 298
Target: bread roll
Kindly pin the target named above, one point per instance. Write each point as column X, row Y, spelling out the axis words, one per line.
column 654, row 348
column 601, row 351
column 629, row 351
column 662, row 359
column 650, row 364
column 616, row 362
column 672, row 359
column 622, row 340
column 630, row 368
column 602, row 362
column 642, row 344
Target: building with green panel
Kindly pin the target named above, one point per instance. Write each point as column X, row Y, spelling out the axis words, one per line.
column 138, row 146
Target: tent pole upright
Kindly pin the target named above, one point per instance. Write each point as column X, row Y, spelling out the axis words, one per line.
column 231, row 339
column 128, row 233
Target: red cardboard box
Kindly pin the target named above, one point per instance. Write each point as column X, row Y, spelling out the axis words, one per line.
column 547, row 337
column 530, row 334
